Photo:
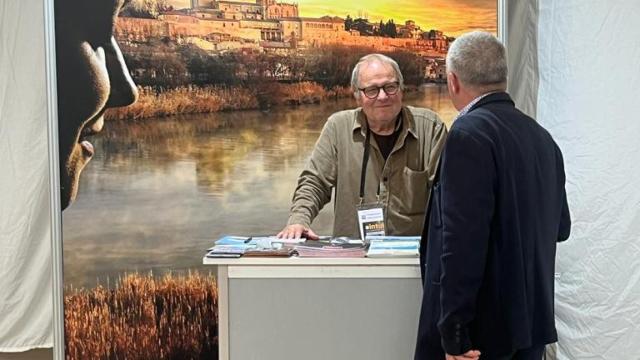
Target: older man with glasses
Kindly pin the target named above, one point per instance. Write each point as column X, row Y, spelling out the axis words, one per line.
column 380, row 157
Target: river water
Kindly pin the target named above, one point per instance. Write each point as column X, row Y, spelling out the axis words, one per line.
column 160, row 191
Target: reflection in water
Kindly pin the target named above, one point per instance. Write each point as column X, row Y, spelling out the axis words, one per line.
column 159, row 191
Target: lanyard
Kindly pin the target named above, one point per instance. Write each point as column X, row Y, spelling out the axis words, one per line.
column 363, row 174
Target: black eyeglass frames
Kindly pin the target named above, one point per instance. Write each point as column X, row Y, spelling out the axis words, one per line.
column 372, row 92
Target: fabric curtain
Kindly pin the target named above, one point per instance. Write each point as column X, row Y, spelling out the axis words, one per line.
column 522, row 53
column 585, row 61
column 25, row 229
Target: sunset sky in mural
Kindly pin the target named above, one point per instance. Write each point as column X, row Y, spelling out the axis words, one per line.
column 451, row 16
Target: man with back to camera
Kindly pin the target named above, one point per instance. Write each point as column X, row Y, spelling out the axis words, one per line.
column 498, row 209
column 402, row 144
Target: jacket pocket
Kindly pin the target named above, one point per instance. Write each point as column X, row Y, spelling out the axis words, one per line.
column 415, row 191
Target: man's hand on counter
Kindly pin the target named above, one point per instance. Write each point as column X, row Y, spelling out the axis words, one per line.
column 296, row 231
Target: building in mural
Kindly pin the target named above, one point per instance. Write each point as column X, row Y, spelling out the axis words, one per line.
column 222, row 25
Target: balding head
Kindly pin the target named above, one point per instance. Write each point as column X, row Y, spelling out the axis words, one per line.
column 366, row 60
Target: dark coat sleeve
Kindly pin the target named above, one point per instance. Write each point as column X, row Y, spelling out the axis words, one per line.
column 565, row 218
column 468, row 200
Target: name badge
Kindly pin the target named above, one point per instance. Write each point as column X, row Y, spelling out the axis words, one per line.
column 371, row 220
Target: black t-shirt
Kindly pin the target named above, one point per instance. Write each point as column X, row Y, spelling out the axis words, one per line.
column 386, row 142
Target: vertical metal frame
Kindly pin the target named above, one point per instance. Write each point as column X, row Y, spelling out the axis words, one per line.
column 54, row 181
column 502, row 21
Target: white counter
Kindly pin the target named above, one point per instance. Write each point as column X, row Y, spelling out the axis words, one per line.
column 317, row 308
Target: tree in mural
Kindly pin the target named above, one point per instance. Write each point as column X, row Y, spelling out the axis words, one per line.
column 149, row 9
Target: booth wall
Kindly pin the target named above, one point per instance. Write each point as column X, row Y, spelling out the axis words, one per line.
column 589, row 73
column 521, row 40
column 25, row 231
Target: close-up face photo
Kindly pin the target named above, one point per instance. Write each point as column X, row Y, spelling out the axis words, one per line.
column 92, row 77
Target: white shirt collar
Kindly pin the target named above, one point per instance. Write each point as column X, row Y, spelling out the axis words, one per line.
column 468, row 107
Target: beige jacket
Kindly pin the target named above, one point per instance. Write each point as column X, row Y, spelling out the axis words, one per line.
column 405, row 179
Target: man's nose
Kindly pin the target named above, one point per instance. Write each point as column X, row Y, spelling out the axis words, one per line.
column 382, row 95
column 123, row 89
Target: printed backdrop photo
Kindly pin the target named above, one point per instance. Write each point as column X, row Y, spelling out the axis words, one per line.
column 183, row 121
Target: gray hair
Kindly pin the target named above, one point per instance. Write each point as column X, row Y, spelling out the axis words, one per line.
column 355, row 74
column 479, row 60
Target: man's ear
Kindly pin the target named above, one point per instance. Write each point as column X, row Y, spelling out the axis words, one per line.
column 358, row 98
column 453, row 83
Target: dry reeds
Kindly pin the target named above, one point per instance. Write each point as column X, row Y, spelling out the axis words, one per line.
column 194, row 100
column 300, row 93
column 338, row 92
column 144, row 318
column 185, row 100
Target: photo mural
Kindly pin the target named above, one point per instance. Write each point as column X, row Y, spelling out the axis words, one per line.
column 182, row 121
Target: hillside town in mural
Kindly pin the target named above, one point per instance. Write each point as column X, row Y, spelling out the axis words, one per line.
column 223, row 48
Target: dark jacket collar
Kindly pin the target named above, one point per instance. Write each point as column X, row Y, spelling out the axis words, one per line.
column 492, row 98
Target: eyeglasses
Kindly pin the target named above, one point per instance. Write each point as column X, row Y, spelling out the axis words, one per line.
column 372, row 92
